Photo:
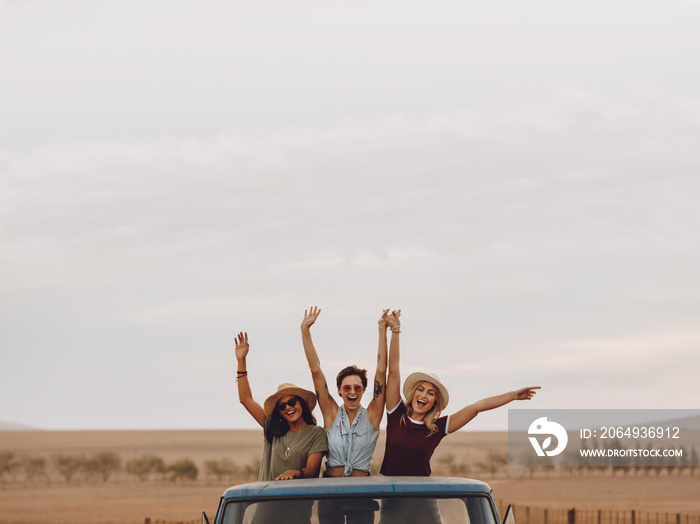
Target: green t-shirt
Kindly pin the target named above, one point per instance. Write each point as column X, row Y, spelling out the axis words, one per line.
column 291, row 451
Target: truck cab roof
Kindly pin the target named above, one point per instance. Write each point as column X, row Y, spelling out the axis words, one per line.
column 375, row 485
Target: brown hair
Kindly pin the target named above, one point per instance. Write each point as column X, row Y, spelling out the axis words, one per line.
column 350, row 371
column 431, row 416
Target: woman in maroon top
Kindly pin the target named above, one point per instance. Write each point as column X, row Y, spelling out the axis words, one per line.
column 415, row 426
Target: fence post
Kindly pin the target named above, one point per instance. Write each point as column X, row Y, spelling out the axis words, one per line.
column 545, row 517
column 572, row 516
column 678, row 518
column 633, row 517
column 147, row 521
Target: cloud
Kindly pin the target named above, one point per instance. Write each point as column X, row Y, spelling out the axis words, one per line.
column 211, row 310
column 541, row 236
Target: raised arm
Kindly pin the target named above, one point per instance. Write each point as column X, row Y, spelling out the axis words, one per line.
column 244, row 393
column 464, row 415
column 376, row 405
column 329, row 407
column 393, row 381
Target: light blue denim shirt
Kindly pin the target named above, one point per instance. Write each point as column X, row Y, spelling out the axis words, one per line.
column 349, row 446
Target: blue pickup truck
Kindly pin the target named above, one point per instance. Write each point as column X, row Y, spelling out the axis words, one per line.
column 373, row 499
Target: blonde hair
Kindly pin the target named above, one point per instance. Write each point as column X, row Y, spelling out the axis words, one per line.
column 431, row 417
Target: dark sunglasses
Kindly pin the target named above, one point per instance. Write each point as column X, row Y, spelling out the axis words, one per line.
column 281, row 406
column 355, row 387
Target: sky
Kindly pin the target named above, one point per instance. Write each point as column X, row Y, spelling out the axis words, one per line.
column 521, row 179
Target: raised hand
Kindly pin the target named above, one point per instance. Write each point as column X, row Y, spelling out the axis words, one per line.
column 382, row 320
column 526, row 393
column 392, row 320
column 242, row 346
column 310, row 316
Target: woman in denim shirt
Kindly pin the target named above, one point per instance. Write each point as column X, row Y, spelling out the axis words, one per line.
column 352, row 430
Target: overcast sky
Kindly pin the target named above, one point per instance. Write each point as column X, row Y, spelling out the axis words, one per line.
column 522, row 179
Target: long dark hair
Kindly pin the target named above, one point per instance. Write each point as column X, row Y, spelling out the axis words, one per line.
column 278, row 425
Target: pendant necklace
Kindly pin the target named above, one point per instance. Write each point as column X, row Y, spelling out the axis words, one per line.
column 289, row 440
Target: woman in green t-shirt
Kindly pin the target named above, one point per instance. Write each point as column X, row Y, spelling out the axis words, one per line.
column 294, row 444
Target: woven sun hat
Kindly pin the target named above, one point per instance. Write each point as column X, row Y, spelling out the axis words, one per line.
column 289, row 389
column 414, row 378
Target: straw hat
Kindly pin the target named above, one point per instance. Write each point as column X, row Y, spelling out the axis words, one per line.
column 414, row 378
column 289, row 389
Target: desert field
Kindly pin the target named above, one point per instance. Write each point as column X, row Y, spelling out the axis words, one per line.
column 123, row 498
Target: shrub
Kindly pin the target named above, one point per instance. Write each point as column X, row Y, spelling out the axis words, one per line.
column 67, row 465
column 34, row 467
column 102, row 465
column 494, row 462
column 8, row 463
column 252, row 470
column 183, row 469
column 146, row 466
column 221, row 468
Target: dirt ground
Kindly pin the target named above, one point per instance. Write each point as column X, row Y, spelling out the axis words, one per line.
column 664, row 494
column 126, row 501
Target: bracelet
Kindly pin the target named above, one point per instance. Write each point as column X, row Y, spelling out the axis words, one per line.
column 301, row 473
column 242, row 373
column 396, row 329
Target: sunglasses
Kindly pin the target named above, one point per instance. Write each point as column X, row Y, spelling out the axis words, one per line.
column 281, row 406
column 348, row 388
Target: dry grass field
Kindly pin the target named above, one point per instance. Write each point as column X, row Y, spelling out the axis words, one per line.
column 124, row 499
